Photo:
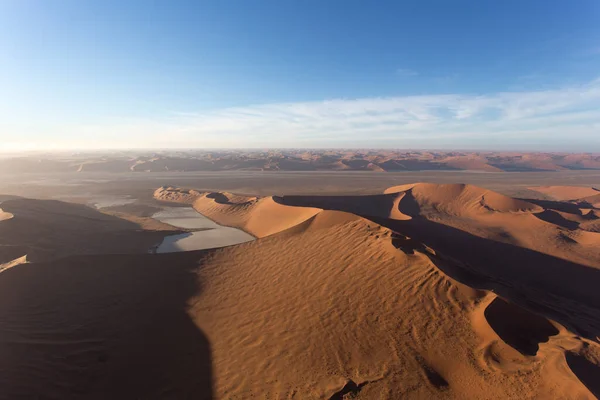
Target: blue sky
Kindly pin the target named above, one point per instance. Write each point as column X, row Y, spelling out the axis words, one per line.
column 506, row 75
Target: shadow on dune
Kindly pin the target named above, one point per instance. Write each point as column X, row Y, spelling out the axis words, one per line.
column 569, row 208
column 374, row 205
column 555, row 218
column 103, row 327
column 51, row 229
column 561, row 290
column 585, row 371
column 518, row 327
column 219, row 198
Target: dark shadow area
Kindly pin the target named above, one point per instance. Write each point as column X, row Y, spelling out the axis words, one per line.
column 586, row 204
column 218, row 198
column 555, row 218
column 350, row 390
column 373, row 205
column 103, row 327
column 51, row 229
column 508, row 167
column 570, row 208
column 9, row 253
column 519, row 328
column 587, row 372
column 434, row 378
column 357, row 164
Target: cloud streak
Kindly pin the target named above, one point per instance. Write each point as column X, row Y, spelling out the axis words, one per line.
column 569, row 115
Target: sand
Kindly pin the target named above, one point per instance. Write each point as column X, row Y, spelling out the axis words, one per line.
column 13, row 263
column 5, row 215
column 562, row 193
column 296, row 160
column 259, row 217
column 424, row 291
column 52, row 229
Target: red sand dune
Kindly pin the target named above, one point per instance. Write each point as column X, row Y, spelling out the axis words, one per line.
column 425, row 291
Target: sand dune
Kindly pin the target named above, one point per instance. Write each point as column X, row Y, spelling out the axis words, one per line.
column 424, row 291
column 50, row 229
column 94, row 327
column 562, row 193
column 461, row 199
column 259, row 217
column 300, row 160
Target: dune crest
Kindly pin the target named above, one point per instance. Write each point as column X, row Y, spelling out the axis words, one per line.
column 15, row 262
column 259, row 217
column 462, row 199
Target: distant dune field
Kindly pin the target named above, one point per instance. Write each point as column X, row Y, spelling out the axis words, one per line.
column 301, row 160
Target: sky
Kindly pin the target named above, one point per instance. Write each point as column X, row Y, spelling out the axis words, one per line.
column 481, row 74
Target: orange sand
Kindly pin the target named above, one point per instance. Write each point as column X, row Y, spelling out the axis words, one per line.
column 425, row 291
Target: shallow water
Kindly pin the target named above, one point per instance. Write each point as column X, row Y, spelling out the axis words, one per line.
column 188, row 218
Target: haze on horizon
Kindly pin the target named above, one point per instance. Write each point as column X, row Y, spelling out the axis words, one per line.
column 338, row 74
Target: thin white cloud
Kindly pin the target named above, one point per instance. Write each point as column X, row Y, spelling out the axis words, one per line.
column 570, row 114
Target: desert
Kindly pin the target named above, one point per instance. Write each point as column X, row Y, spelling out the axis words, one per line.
column 299, row 200
column 422, row 290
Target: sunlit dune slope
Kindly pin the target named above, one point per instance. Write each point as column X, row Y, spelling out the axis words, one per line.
column 461, row 199
column 258, row 216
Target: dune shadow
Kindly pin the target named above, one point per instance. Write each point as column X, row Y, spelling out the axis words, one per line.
column 218, row 198
column 587, row 372
column 51, row 229
column 553, row 217
column 519, row 328
column 103, row 327
column 562, row 206
column 373, row 205
column 350, row 390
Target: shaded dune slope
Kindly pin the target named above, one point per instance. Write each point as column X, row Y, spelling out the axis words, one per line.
column 50, row 229
column 99, row 327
